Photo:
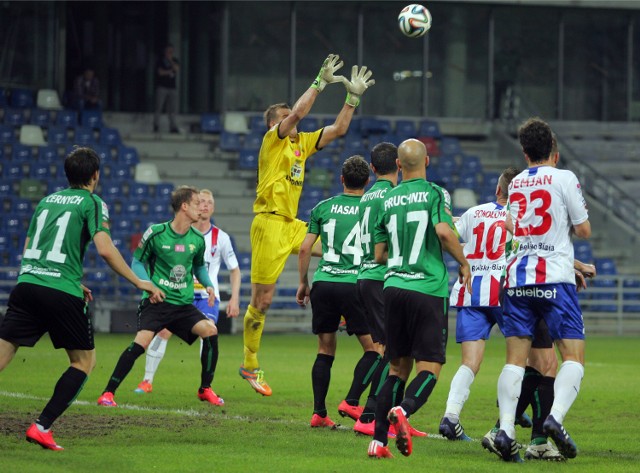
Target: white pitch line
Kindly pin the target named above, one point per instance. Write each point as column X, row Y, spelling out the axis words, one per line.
column 185, row 412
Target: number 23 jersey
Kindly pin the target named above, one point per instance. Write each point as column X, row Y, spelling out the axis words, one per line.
column 544, row 204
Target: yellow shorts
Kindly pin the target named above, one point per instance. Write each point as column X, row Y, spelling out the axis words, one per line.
column 273, row 239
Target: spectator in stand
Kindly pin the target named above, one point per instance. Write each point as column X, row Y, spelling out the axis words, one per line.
column 166, row 93
column 86, row 90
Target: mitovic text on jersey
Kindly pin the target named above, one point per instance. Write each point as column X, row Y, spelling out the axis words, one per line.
column 402, row 200
column 531, row 181
column 378, row 194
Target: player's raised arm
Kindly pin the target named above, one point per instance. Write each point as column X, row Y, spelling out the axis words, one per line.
column 303, row 105
column 359, row 83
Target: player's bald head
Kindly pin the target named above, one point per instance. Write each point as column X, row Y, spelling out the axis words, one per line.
column 412, row 154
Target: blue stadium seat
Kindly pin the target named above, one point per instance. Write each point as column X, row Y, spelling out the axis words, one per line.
column 91, row 118
column 122, row 224
column 48, row 154
column 3, row 97
column 121, row 171
column 128, row 155
column 230, row 141
column 447, row 164
column 14, row 117
column 469, row 181
column 353, row 142
column 104, row 152
column 84, row 136
column 57, row 135
column 12, row 171
column 605, row 267
column 429, row 128
column 39, row 171
column 20, row 153
column 67, row 118
column 163, row 190
column 583, row 251
column 210, row 123
column 159, row 208
column 309, row 124
column 490, row 180
column 312, row 195
column 248, row 159
column 471, row 164
column 405, row 128
column 322, row 159
column 6, row 188
column 40, row 117
column 450, row 145
column 139, row 191
column 257, row 124
column 109, row 137
column 13, row 224
column 21, row 206
column 131, row 208
column 374, row 126
column 110, row 190
column 56, row 185
column 21, row 98
column 244, row 260
column 253, row 141
column 7, row 134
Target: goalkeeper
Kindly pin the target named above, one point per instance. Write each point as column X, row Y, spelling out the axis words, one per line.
column 276, row 232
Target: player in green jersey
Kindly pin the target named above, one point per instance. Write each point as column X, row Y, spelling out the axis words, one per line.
column 49, row 296
column 413, row 228
column 371, row 275
column 334, row 293
column 171, row 253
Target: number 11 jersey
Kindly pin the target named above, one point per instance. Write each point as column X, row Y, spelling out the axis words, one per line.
column 61, row 228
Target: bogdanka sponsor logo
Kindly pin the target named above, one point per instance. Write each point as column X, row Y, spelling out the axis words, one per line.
column 172, row 285
column 537, row 292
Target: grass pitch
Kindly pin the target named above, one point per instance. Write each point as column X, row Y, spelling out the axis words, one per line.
column 169, row 430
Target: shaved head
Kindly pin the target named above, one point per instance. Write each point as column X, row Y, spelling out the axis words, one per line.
column 412, row 154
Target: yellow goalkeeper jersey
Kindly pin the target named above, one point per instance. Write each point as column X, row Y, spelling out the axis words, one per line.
column 281, row 171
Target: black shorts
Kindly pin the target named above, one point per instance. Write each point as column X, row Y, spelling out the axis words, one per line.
column 416, row 325
column 541, row 336
column 370, row 294
column 34, row 310
column 330, row 300
column 179, row 319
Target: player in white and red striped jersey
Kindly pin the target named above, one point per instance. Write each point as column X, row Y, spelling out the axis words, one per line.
column 482, row 228
column 546, row 206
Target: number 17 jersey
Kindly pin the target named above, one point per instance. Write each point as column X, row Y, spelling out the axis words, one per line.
column 544, row 204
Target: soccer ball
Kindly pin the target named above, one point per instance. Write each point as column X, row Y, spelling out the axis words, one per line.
column 414, row 20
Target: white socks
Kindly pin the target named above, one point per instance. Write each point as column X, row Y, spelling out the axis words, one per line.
column 509, row 387
column 459, row 392
column 155, row 353
column 566, row 388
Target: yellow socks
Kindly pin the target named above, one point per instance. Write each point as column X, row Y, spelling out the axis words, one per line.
column 253, row 325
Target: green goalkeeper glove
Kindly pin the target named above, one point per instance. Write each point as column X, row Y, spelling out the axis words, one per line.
column 325, row 76
column 357, row 85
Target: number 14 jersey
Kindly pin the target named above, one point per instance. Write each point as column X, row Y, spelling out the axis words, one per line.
column 544, row 203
